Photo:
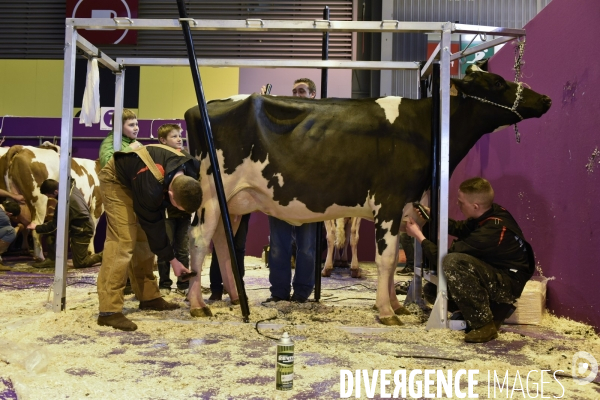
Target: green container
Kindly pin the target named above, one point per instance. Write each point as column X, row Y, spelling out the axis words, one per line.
column 285, row 363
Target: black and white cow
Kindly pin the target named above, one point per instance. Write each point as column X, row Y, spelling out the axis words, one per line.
column 272, row 152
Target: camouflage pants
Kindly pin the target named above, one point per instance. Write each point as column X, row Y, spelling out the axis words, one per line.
column 473, row 285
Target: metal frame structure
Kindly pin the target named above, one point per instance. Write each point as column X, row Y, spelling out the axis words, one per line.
column 73, row 41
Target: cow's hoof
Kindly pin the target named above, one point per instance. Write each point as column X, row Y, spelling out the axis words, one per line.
column 391, row 321
column 235, row 302
column 326, row 273
column 402, row 311
column 355, row 273
column 201, row 312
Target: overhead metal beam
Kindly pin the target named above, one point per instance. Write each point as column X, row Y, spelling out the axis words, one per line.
column 480, row 47
column 259, row 25
column 490, row 30
column 427, row 67
column 93, row 51
column 246, row 63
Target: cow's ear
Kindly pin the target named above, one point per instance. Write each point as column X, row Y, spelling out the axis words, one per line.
column 453, row 90
column 455, row 87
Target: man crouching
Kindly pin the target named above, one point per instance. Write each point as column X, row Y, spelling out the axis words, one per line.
column 134, row 187
column 488, row 265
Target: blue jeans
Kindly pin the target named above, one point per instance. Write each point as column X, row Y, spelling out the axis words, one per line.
column 239, row 244
column 177, row 232
column 280, row 254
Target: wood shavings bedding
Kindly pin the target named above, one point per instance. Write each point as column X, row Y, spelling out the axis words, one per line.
column 174, row 356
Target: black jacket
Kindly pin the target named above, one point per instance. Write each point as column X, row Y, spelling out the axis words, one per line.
column 496, row 239
column 150, row 197
column 80, row 220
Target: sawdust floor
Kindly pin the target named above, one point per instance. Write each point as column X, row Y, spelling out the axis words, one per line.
column 174, row 356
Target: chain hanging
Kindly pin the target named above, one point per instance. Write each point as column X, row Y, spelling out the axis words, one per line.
column 518, row 75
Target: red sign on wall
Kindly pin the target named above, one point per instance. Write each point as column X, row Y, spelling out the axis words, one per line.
column 105, row 9
column 454, row 47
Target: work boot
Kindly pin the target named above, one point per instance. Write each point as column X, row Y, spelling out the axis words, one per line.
column 158, row 304
column 406, row 271
column 117, row 321
column 96, row 258
column 47, row 263
column 483, row 334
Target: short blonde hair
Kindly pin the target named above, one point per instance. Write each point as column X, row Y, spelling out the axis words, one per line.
column 127, row 114
column 164, row 130
column 479, row 190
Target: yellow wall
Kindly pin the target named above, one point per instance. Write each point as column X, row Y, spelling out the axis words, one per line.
column 33, row 88
column 168, row 92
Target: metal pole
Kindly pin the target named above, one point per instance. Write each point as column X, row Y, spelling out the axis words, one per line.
column 438, row 318
column 414, row 294
column 118, row 113
column 319, row 233
column 208, row 137
column 435, row 152
column 66, row 134
column 325, row 56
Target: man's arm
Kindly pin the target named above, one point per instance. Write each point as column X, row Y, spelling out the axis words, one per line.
column 16, row 197
column 148, row 198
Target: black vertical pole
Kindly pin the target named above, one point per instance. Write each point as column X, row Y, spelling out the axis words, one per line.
column 435, row 153
column 325, row 56
column 324, row 73
column 208, row 137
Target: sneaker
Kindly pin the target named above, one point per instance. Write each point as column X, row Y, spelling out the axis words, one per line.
column 405, row 271
column 275, row 299
column 297, row 299
column 182, row 292
column 216, row 296
column 484, row 334
column 158, row 304
column 117, row 321
column 165, row 291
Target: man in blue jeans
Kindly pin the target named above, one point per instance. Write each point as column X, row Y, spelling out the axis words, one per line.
column 282, row 236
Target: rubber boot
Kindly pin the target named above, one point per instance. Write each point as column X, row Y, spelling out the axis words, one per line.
column 484, row 334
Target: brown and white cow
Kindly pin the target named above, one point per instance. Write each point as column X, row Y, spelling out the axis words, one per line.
column 271, row 152
column 24, row 168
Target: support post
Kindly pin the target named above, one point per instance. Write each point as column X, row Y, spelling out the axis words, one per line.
column 208, row 137
column 415, row 290
column 66, row 135
column 439, row 316
column 319, row 227
column 118, row 113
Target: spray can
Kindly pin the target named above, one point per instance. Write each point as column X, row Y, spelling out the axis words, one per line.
column 285, row 363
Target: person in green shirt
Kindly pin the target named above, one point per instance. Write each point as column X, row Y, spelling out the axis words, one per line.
column 128, row 142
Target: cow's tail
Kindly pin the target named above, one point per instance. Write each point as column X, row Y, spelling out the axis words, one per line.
column 340, row 233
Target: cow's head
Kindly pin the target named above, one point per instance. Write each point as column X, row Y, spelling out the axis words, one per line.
column 515, row 101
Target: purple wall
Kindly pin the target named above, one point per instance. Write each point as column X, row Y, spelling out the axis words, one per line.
column 86, row 140
column 543, row 181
